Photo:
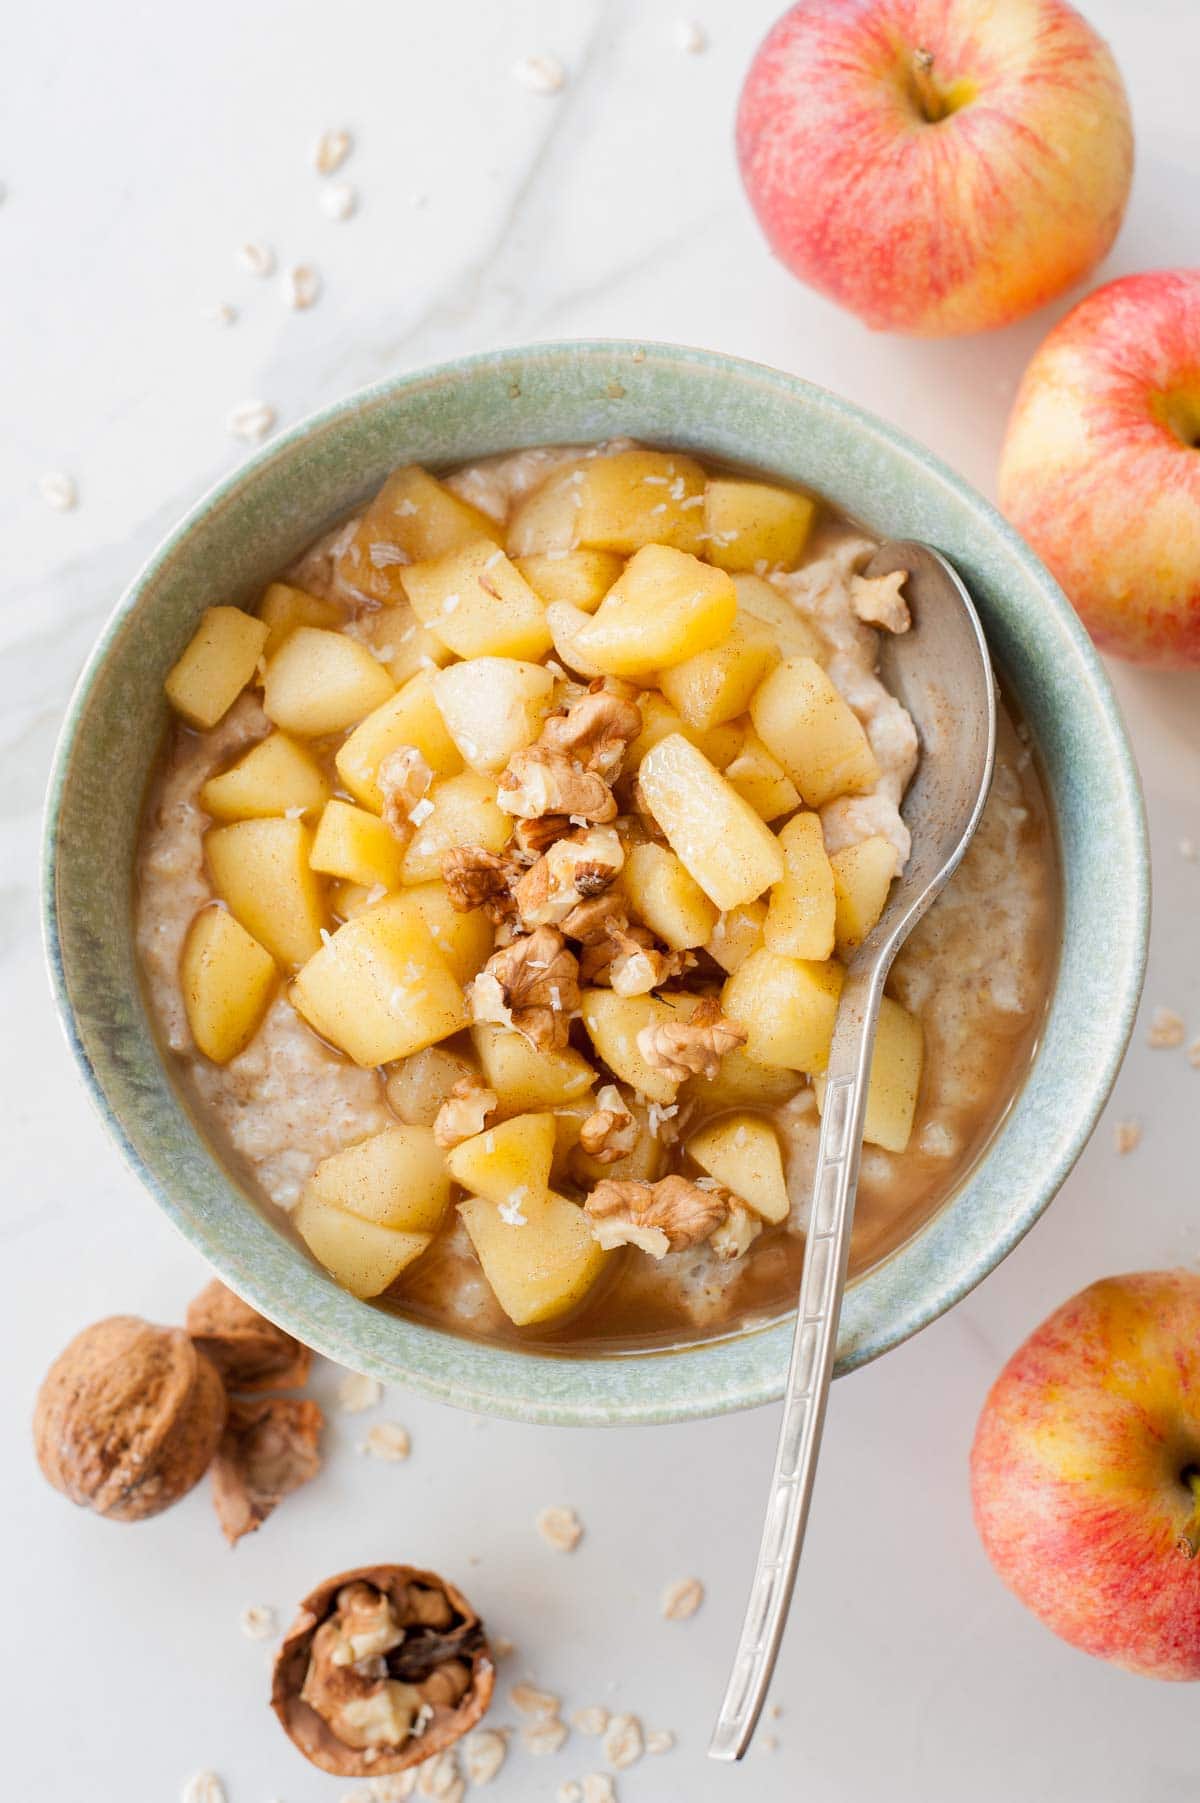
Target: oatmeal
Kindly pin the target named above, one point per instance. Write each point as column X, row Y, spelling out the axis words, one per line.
column 498, row 879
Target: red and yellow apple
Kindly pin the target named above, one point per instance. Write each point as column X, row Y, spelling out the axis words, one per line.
column 937, row 166
column 1101, row 464
column 1086, row 1472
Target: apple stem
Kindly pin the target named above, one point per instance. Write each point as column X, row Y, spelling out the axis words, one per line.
column 929, row 96
column 1189, row 1539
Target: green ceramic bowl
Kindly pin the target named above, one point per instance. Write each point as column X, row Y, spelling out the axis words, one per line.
column 738, row 412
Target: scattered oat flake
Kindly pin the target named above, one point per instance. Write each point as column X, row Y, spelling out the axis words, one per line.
column 301, row 287
column 560, row 1528
column 540, row 74
column 768, row 1743
column 395, row 1788
column 598, row 1787
column 387, row 1440
column 331, row 150
column 1127, row 1136
column 251, row 420
column 1187, row 849
column 532, row 1701
column 203, row 1787
column 690, row 36
column 569, row 1791
column 440, row 1777
column 223, row 314
column 256, row 259
column 1167, row 1030
column 545, row 1735
column 483, row 1754
column 681, row 1600
column 356, row 1391
column 592, row 1720
column 58, row 490
column 624, row 1743
column 257, row 1621
column 338, row 200
column 659, row 1740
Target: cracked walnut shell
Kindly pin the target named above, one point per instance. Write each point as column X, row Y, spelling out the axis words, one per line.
column 128, row 1418
column 249, row 1351
column 268, row 1449
column 383, row 1668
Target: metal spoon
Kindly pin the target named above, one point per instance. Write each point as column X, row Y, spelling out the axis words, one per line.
column 941, row 673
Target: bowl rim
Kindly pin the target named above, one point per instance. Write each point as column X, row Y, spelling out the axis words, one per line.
column 494, row 1395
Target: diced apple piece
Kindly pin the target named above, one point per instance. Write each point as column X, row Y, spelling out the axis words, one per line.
column 464, row 812
column 219, row 661
column 227, row 979
column 479, row 604
column 400, row 642
column 671, row 903
column 787, row 1007
column 352, row 844
column 546, row 521
column 895, row 1078
column 613, row 1023
column 659, row 720
column 566, row 623
column 581, row 578
column 862, row 877
column 380, row 988
column 411, row 717
column 508, row 1163
column 493, row 707
column 801, row 910
column 637, row 498
column 665, row 608
column 716, row 686
column 412, row 518
column 540, row 1268
column 741, row 1083
column 742, row 1152
column 466, row 941
column 752, row 523
column 525, row 1078
column 424, row 1082
column 804, row 722
column 283, row 608
column 761, row 780
column 760, row 601
column 397, row 1178
column 261, row 870
column 736, row 934
column 721, row 841
column 321, row 682
column 364, row 1257
column 276, row 776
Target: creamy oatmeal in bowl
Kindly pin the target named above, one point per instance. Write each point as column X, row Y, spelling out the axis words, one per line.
column 496, row 883
column 496, row 858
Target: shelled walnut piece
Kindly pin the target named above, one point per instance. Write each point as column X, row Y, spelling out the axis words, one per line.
column 657, row 1217
column 384, row 1667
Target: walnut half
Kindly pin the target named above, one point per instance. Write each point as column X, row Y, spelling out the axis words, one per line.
column 532, row 985
column 384, row 1667
column 657, row 1217
column 692, row 1047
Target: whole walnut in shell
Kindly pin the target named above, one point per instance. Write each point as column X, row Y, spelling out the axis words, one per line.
column 128, row 1418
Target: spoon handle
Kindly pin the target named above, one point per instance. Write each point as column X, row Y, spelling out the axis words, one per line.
column 826, row 1256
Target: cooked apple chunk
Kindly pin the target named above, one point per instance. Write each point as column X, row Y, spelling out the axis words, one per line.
column 493, row 707
column 666, row 607
column 525, row 1077
column 671, row 902
column 410, row 718
column 403, row 646
column 509, row 1163
column 462, row 811
column 800, row 914
column 545, row 522
column 321, row 682
column 862, row 877
column 581, row 578
column 741, row 1082
column 659, row 720
column 613, row 1024
column 219, row 661
column 479, row 604
column 753, row 523
column 761, row 779
column 364, row 1257
column 717, row 836
column 742, row 1152
column 787, row 1007
column 636, row 498
column 464, row 940
column 541, row 1261
column 283, row 608
column 380, row 989
column 352, row 844
column 261, row 870
column 413, row 518
column 760, row 601
column 738, row 932
column 227, row 979
column 805, row 723
column 715, row 686
column 895, row 1079
column 274, row 777
column 396, row 1178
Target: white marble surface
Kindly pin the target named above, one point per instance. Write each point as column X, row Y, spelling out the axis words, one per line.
column 142, row 146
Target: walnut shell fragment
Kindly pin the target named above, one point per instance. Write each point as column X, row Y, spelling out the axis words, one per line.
column 384, row 1667
column 249, row 1351
column 268, row 1449
column 128, row 1418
